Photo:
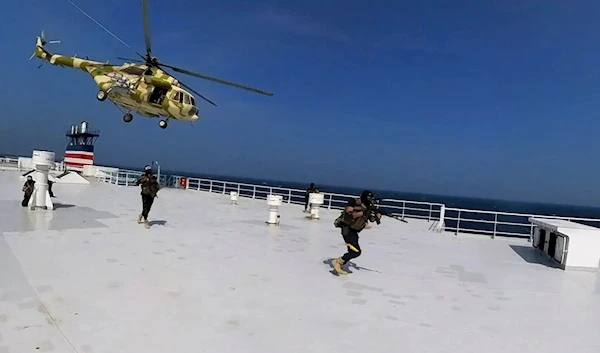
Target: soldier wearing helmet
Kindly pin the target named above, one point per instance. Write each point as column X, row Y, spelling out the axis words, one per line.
column 28, row 189
column 150, row 188
column 352, row 221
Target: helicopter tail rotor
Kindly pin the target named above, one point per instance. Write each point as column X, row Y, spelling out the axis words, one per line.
column 40, row 43
column 44, row 41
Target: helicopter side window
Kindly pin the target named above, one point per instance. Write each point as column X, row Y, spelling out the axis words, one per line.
column 186, row 99
column 177, row 97
column 193, row 101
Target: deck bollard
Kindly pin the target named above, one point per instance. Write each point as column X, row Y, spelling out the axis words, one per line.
column 234, row 198
column 274, row 201
column 315, row 200
column 42, row 160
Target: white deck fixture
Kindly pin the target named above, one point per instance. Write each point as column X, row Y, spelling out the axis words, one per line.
column 439, row 225
column 315, row 200
column 234, row 196
column 274, row 201
column 572, row 245
column 42, row 161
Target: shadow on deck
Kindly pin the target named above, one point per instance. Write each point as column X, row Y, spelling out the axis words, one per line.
column 533, row 256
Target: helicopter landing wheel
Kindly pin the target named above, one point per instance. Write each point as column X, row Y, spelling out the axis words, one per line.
column 101, row 95
column 127, row 118
column 162, row 124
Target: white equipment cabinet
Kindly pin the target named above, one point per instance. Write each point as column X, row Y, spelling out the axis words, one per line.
column 572, row 245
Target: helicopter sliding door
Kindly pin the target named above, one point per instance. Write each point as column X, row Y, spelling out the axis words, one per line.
column 158, row 95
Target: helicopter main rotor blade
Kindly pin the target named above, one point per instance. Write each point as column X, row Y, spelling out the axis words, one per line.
column 218, row 80
column 146, row 27
column 196, row 93
column 106, row 29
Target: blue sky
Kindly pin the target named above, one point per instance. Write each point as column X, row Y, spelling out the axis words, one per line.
column 473, row 98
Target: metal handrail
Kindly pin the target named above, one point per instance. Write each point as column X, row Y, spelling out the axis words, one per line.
column 460, row 223
column 456, row 220
column 13, row 163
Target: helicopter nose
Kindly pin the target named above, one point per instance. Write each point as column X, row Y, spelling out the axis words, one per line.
column 195, row 117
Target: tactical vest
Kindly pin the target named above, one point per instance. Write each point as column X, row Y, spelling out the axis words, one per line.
column 149, row 186
column 345, row 219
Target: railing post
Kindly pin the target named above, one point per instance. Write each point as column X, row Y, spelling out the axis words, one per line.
column 210, row 187
column 530, row 232
column 289, row 196
column 270, row 191
column 441, row 223
column 457, row 222
column 238, row 189
column 254, row 191
column 224, row 187
column 495, row 224
column 403, row 205
column 330, row 199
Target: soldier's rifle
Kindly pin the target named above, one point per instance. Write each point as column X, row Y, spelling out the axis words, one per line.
column 373, row 209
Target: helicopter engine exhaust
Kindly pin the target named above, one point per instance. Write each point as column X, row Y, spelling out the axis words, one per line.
column 157, row 82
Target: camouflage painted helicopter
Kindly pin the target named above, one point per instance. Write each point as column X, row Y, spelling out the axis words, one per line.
column 143, row 87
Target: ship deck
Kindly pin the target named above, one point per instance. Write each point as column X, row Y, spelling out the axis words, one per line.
column 209, row 276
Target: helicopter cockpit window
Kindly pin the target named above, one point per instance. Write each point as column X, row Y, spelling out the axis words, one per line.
column 193, row 101
column 177, row 97
column 186, row 99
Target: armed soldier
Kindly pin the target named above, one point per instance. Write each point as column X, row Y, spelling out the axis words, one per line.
column 150, row 188
column 28, row 189
column 309, row 190
column 352, row 221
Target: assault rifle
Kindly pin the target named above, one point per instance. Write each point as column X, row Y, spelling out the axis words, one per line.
column 373, row 209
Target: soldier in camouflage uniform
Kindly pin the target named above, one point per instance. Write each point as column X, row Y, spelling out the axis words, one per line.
column 353, row 220
column 28, row 189
column 150, row 188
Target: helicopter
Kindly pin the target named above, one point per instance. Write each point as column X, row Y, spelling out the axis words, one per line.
column 143, row 86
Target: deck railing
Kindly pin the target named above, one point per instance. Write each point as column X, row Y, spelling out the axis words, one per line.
column 456, row 220
column 400, row 208
column 13, row 163
column 125, row 177
column 9, row 162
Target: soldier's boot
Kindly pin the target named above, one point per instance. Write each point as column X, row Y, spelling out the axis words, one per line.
column 146, row 224
column 337, row 266
column 140, row 219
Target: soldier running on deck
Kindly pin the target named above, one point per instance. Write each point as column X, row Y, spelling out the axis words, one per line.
column 150, row 188
column 28, row 188
column 352, row 221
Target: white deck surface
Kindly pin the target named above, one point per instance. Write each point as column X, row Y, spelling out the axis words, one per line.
column 213, row 277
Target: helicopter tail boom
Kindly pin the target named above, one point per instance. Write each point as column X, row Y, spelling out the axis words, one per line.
column 61, row 60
